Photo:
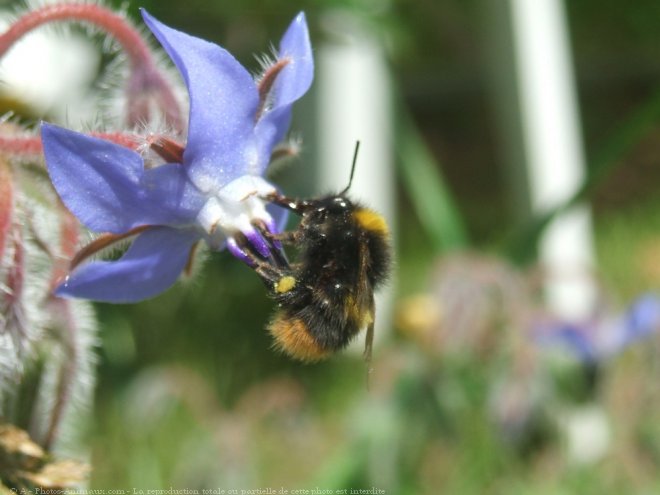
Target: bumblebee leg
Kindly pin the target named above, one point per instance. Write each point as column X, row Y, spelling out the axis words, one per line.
column 295, row 205
column 270, row 275
column 287, row 237
column 269, row 272
column 277, row 253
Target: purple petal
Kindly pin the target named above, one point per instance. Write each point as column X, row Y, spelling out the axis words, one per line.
column 296, row 78
column 105, row 185
column 223, row 103
column 573, row 337
column 643, row 317
column 151, row 265
column 280, row 216
column 238, row 252
column 96, row 179
column 291, row 83
column 178, row 201
column 639, row 321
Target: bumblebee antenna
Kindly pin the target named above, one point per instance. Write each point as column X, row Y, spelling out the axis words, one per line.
column 350, row 179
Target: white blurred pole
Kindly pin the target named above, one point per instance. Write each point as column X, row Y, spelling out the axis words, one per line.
column 551, row 133
column 553, row 147
column 354, row 103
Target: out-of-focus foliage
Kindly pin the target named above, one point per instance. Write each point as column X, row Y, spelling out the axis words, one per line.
column 493, row 412
column 463, row 398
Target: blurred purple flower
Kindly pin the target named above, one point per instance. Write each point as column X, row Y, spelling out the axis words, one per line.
column 213, row 194
column 604, row 337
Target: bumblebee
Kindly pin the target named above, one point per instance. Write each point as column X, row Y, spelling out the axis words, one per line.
column 326, row 296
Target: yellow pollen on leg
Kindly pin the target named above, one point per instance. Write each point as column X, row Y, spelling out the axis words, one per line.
column 285, row 284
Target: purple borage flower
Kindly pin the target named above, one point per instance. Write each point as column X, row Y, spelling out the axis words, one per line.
column 215, row 192
column 606, row 336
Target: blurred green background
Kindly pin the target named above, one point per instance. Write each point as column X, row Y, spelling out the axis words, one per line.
column 191, row 395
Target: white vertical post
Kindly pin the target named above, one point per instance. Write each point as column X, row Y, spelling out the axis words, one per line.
column 354, row 103
column 554, row 155
column 553, row 147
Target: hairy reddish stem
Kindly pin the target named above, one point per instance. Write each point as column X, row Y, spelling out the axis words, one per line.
column 67, row 372
column 145, row 73
column 69, row 241
column 31, row 145
column 110, row 22
column 69, row 235
column 168, row 149
column 6, row 204
column 102, row 242
column 132, row 141
column 65, row 381
column 265, row 85
column 12, row 307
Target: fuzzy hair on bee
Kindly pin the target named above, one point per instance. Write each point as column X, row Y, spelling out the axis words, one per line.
column 326, row 296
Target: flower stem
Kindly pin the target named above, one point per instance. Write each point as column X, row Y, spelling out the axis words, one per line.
column 69, row 241
column 102, row 242
column 69, row 237
column 141, row 60
column 265, row 84
column 168, row 149
column 30, row 146
column 6, row 204
column 67, row 372
column 114, row 24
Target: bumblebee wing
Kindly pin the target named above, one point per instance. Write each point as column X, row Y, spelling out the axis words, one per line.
column 366, row 303
column 369, row 338
column 364, row 291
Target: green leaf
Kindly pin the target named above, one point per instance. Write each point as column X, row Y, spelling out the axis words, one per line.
column 522, row 248
column 428, row 192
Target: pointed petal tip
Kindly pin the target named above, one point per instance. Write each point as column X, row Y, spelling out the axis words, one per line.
column 53, row 132
column 151, row 22
column 301, row 18
column 46, row 129
column 157, row 28
column 146, row 16
column 61, row 290
column 298, row 25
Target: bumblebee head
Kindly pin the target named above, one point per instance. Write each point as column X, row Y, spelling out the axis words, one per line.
column 320, row 210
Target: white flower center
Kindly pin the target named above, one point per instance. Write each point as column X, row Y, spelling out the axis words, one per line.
column 235, row 208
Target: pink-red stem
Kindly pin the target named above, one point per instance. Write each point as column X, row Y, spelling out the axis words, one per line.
column 116, row 25
column 6, row 205
column 31, row 145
